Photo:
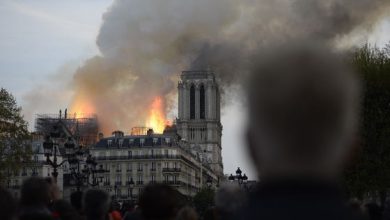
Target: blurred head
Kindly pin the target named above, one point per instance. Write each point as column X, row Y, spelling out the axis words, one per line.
column 96, row 204
column 187, row 213
column 76, row 200
column 35, row 192
column 159, row 201
column 229, row 199
column 303, row 105
column 7, row 205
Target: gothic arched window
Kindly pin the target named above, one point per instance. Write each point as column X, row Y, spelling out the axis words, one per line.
column 192, row 102
column 202, row 103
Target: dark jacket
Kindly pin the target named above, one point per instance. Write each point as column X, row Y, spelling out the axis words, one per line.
column 297, row 200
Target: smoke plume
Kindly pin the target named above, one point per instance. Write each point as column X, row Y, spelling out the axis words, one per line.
column 145, row 44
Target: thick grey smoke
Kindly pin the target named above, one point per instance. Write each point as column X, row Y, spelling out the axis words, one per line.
column 145, row 44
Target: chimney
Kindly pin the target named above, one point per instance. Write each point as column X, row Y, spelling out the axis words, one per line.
column 150, row 132
column 100, row 136
column 118, row 134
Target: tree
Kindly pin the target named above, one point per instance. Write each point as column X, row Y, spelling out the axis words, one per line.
column 204, row 200
column 14, row 136
column 370, row 174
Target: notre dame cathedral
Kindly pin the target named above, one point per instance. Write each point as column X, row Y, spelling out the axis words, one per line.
column 199, row 119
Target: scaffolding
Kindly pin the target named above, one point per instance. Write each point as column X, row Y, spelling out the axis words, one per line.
column 84, row 127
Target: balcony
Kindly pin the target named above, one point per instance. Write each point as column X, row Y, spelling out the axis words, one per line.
column 171, row 170
column 140, row 182
column 175, row 183
column 118, row 183
column 135, row 157
column 118, row 171
column 106, row 183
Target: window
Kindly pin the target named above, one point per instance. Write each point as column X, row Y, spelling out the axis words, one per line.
column 202, row 103
column 140, row 179
column 167, row 140
column 129, row 167
column 129, row 155
column 118, row 167
column 48, row 171
column 192, row 102
column 37, row 147
column 109, row 143
column 129, row 178
column 120, row 142
column 142, row 141
column 139, row 166
column 153, row 166
column 155, row 141
column 129, row 192
column 118, row 180
column 35, row 158
column 131, row 141
column 153, row 178
column 166, row 165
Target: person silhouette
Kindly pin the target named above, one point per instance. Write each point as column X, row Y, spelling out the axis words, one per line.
column 303, row 109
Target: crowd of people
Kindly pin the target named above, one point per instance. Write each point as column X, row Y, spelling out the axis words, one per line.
column 303, row 103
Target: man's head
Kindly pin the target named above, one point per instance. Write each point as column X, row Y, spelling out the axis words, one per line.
column 159, row 201
column 35, row 192
column 96, row 204
column 303, row 105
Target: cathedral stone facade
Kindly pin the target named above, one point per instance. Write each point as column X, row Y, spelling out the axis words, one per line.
column 199, row 119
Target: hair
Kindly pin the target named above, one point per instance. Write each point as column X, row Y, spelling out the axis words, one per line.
column 187, row 213
column 159, row 201
column 76, row 200
column 35, row 192
column 96, row 204
column 303, row 106
column 7, row 205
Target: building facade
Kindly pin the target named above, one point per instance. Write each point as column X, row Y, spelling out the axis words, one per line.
column 199, row 119
column 149, row 158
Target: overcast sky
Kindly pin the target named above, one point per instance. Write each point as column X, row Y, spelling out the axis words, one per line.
column 44, row 41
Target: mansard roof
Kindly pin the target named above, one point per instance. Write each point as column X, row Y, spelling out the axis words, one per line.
column 154, row 140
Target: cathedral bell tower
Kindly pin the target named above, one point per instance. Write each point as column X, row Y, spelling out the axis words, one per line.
column 199, row 121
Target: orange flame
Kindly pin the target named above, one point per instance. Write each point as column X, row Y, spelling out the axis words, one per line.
column 156, row 117
column 80, row 107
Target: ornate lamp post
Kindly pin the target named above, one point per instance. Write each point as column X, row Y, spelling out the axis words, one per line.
column 242, row 179
column 50, row 148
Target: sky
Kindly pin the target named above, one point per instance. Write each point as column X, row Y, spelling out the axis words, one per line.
column 43, row 42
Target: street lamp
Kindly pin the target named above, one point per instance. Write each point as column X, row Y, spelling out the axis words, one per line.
column 50, row 148
column 241, row 179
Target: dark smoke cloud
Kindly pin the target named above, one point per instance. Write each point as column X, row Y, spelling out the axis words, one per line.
column 144, row 45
